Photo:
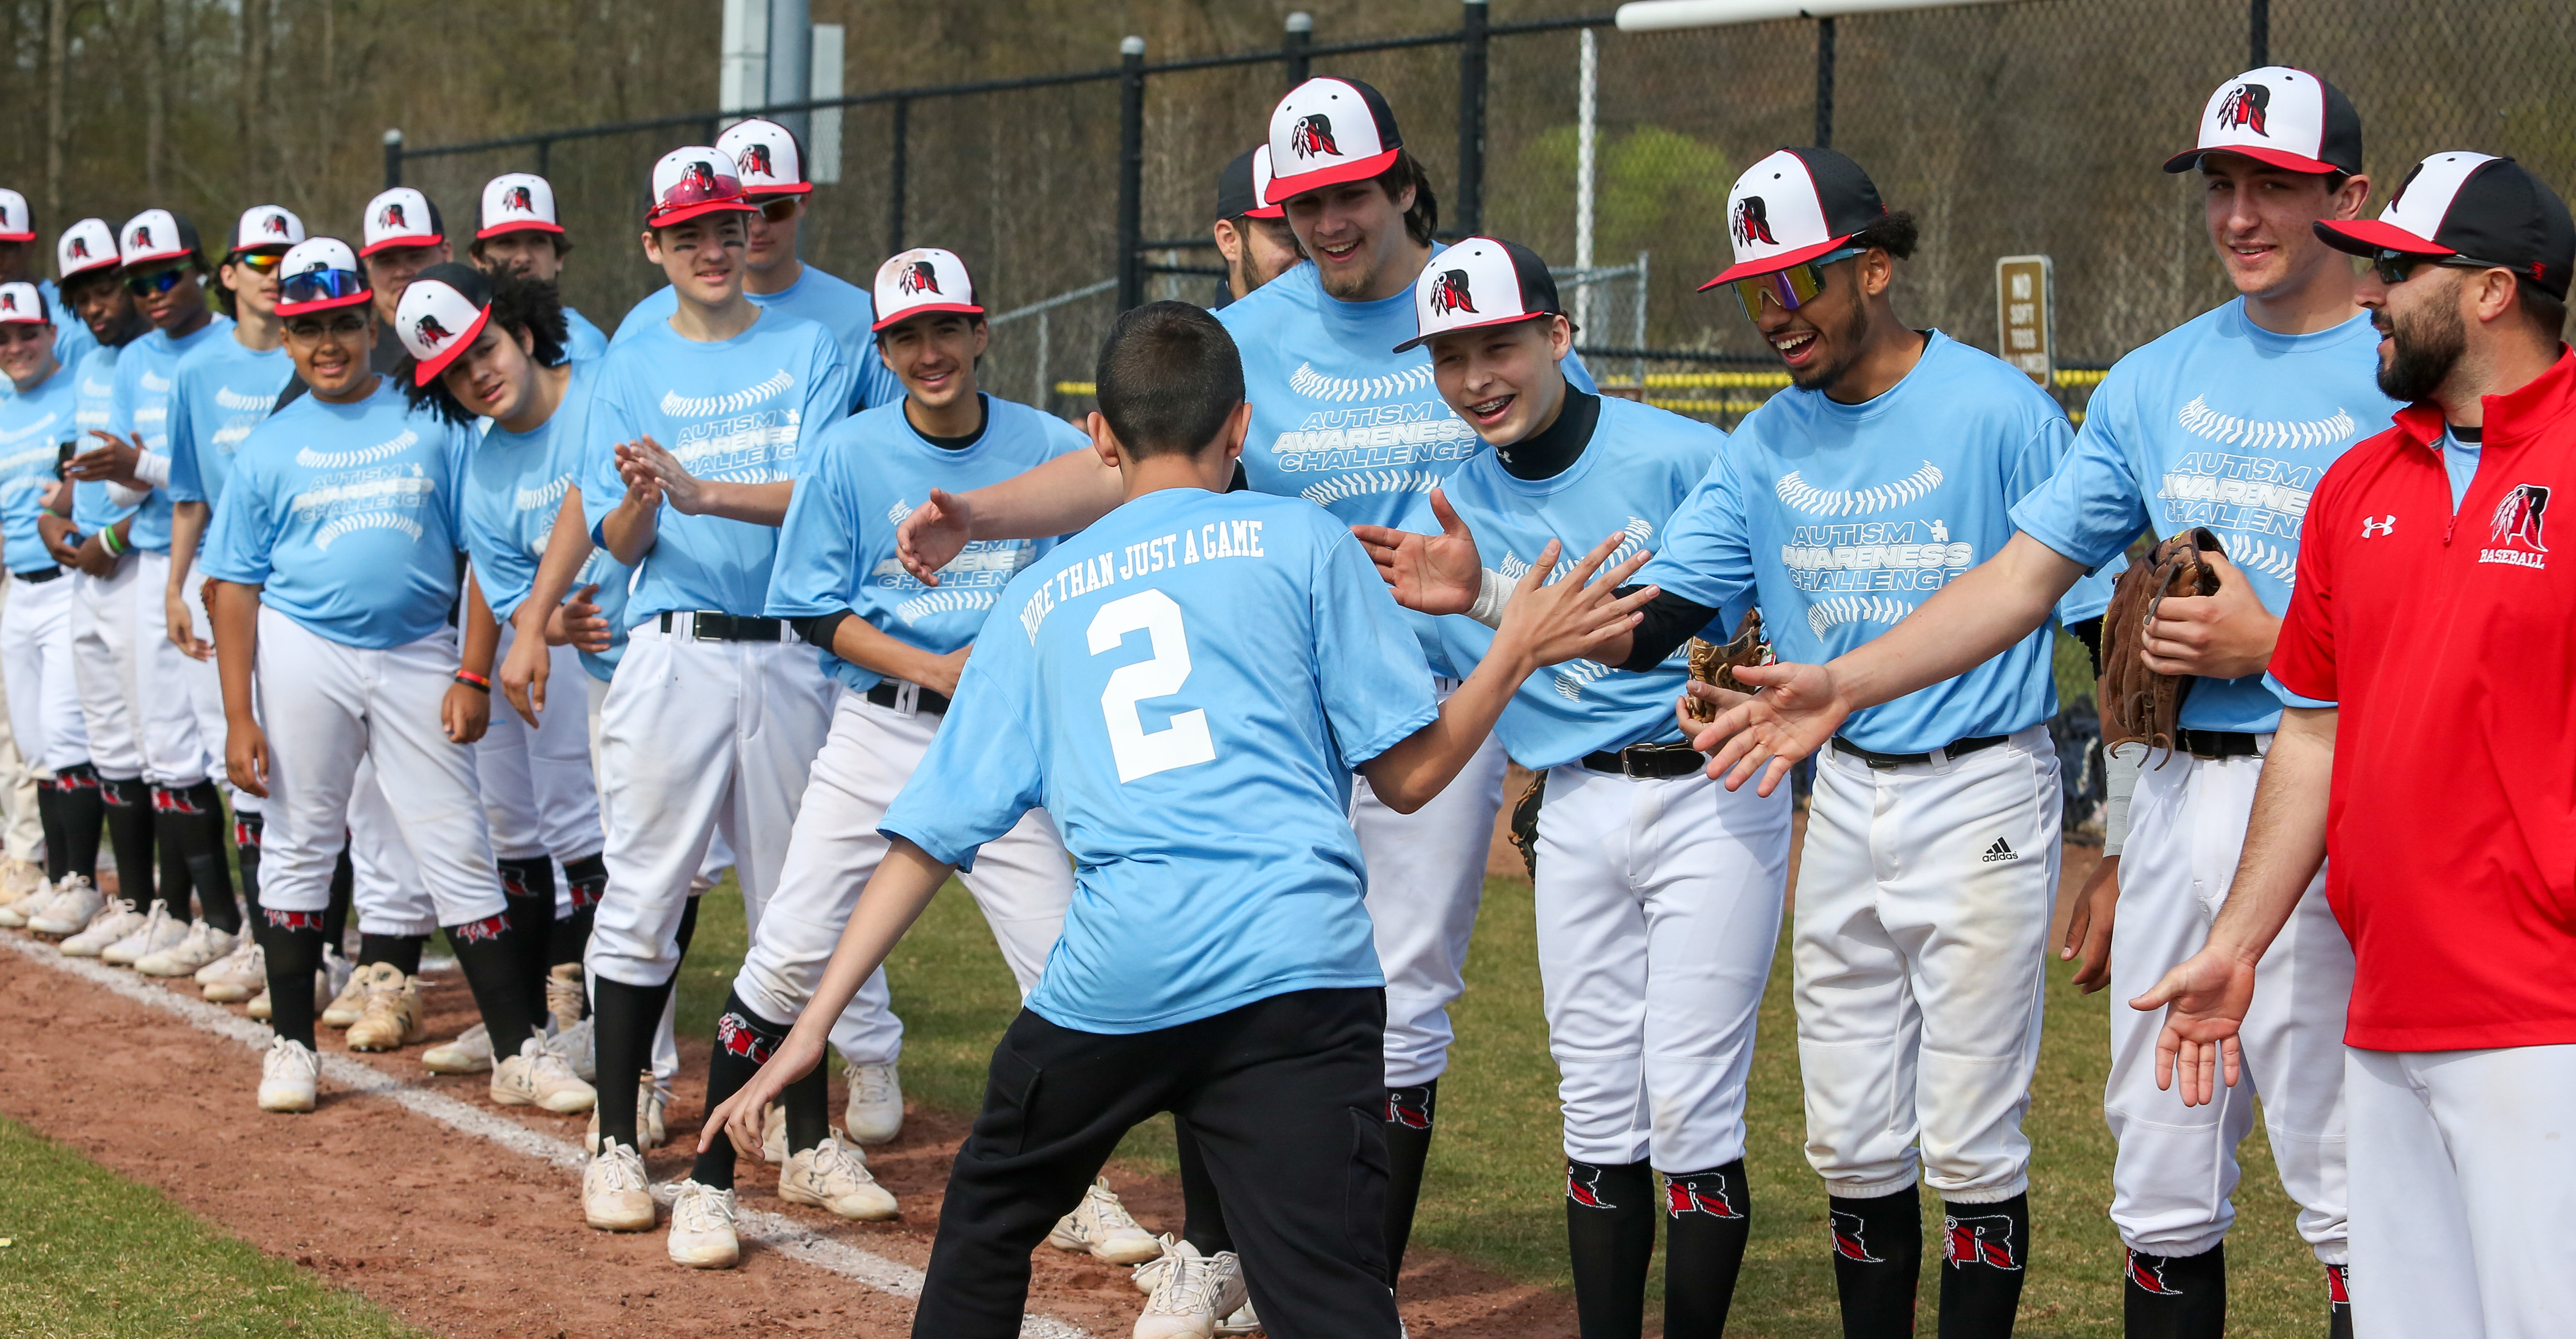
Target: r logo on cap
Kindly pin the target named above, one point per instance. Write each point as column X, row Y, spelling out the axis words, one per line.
column 1752, row 222
column 920, row 277
column 924, row 279
column 1313, row 136
column 1449, row 294
column 2243, row 107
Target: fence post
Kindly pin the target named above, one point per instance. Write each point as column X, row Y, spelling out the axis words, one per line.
column 1300, row 35
column 1131, row 172
column 545, row 156
column 2259, row 18
column 1824, row 83
column 393, row 159
column 1472, row 44
column 895, row 167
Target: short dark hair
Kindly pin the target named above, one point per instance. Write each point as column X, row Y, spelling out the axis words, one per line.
column 1422, row 219
column 2548, row 312
column 1168, row 378
column 562, row 243
column 1895, row 234
column 520, row 305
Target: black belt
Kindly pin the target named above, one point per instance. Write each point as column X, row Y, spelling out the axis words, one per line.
column 709, row 626
column 1647, row 762
column 1954, row 749
column 2217, row 744
column 40, row 576
column 891, row 693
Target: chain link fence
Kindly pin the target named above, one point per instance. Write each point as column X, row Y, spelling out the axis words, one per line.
column 2032, row 128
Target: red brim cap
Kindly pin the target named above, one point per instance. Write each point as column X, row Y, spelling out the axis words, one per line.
column 1776, row 263
column 664, row 219
column 503, row 229
column 750, row 192
column 17, row 237
column 2363, row 237
column 324, row 304
column 2282, row 159
column 407, row 239
column 1479, row 325
column 1358, row 169
column 926, row 309
column 425, row 372
column 155, row 258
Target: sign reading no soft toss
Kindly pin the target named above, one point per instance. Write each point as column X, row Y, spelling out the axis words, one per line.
column 2023, row 302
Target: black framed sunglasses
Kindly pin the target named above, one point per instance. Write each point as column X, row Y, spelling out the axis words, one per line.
column 2396, row 267
column 778, row 210
column 154, row 284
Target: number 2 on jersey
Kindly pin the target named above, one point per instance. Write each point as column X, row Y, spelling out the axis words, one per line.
column 1140, row 752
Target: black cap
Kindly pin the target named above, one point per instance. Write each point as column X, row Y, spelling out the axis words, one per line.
column 1239, row 187
column 2475, row 206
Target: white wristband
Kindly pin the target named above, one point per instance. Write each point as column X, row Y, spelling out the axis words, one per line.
column 1491, row 597
column 119, row 495
column 152, row 468
column 2121, row 768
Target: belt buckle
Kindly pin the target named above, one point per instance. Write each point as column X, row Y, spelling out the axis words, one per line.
column 907, row 697
column 699, row 630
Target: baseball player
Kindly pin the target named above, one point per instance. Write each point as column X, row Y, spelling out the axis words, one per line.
column 1192, row 658
column 1654, row 943
column 72, row 338
column 771, row 161
column 521, row 235
column 1341, row 422
column 401, row 234
column 2429, row 773
column 1251, row 233
column 715, row 715
column 1930, row 868
column 335, row 558
column 494, row 346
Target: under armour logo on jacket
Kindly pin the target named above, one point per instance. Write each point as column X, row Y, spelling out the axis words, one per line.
column 2372, row 527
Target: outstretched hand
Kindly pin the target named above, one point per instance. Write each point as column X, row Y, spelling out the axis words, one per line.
column 1432, row 574
column 1794, row 711
column 645, row 459
column 741, row 1116
column 933, row 535
column 2204, row 1000
column 1552, row 622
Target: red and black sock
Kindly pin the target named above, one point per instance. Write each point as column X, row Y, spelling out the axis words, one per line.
column 1983, row 1249
column 2176, row 1296
column 250, row 828
column 744, row 1042
column 1878, row 1260
column 1610, row 1235
column 129, row 834
column 402, row 951
column 1708, row 1216
column 1409, row 1115
column 189, row 823
column 170, row 850
column 626, row 1018
column 495, row 966
column 335, row 912
column 76, row 813
column 528, row 885
column 568, row 938
column 292, row 941
column 2338, row 1302
column 1202, row 1217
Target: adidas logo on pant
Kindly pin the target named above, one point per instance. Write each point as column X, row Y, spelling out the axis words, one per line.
column 2001, row 850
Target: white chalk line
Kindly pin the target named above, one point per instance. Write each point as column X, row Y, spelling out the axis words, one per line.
column 774, row 1231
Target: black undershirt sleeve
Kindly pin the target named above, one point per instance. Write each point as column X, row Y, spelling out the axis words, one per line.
column 819, row 628
column 1668, row 621
column 2089, row 632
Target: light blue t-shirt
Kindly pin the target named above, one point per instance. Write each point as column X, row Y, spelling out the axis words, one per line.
column 1639, row 465
column 1845, row 517
column 2460, row 461
column 1338, row 417
column 33, row 428
column 819, row 296
column 514, row 488
column 225, row 389
column 2234, row 425
column 744, row 410
column 146, row 374
column 348, row 516
column 1185, row 687
column 94, row 410
column 836, row 550
column 582, row 340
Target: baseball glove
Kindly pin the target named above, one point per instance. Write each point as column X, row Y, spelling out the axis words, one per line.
column 2143, row 704
column 1714, row 664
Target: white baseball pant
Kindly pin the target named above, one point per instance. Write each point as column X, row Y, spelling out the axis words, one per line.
column 165, row 715
column 538, row 792
column 666, row 1040
column 1920, row 943
column 696, row 738
column 102, row 622
column 24, row 838
column 1426, row 880
column 2463, row 1191
column 1022, row 880
column 354, row 707
column 1658, row 910
column 205, row 685
column 2176, row 1170
column 36, row 660
column 386, row 893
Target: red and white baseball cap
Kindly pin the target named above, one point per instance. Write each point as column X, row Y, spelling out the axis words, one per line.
column 2281, row 116
column 318, row 274
column 23, row 303
column 155, row 235
column 2473, row 205
column 16, row 224
column 924, row 279
column 518, row 202
column 401, row 217
column 266, row 227
column 768, row 157
column 85, row 246
column 692, row 180
column 1326, row 132
column 1794, row 206
column 439, row 316
column 1482, row 281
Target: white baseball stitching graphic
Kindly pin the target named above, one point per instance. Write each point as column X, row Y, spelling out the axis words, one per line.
column 1800, row 495
column 228, row 398
column 1331, row 491
column 1314, row 385
column 530, row 499
column 2278, row 561
column 944, row 602
column 1574, row 674
column 1843, row 609
column 366, row 520
column 2198, row 419
column 898, row 511
column 342, row 460
column 707, row 406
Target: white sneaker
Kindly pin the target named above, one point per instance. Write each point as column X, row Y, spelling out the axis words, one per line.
column 564, row 996
column 113, row 922
column 76, row 901
column 837, row 1180
column 702, row 1226
column 469, row 1053
column 773, row 1136
column 202, row 946
column 613, row 1193
column 348, row 1000
column 874, row 1113
column 650, row 1099
column 1101, row 1225
column 1191, row 1293
column 394, row 1016
column 1243, row 1322
column 237, row 975
column 552, row 1083
column 157, row 932
column 23, row 889
column 259, row 1005
column 576, row 1046
column 288, row 1074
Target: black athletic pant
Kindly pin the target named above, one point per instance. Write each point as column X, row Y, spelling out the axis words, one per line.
column 1286, row 1097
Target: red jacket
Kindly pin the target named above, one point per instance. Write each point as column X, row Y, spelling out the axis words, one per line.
column 2450, row 643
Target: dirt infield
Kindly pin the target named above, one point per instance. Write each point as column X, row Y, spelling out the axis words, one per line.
column 462, row 1237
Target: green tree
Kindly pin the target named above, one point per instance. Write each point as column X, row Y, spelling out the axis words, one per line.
column 1650, row 183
